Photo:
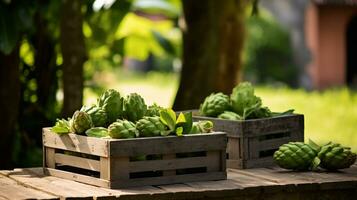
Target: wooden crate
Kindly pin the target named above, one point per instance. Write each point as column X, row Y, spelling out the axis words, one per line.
column 252, row 143
column 111, row 163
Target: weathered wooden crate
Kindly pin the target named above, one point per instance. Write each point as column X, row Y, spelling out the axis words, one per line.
column 252, row 143
column 111, row 163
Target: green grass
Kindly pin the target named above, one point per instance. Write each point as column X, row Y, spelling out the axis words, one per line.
column 330, row 115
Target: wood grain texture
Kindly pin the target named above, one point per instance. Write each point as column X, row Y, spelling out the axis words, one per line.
column 251, row 143
column 259, row 183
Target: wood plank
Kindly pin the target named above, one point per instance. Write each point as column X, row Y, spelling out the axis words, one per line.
column 233, row 148
column 178, row 163
column 50, row 157
column 77, row 177
column 119, row 168
column 213, row 161
column 259, row 162
column 65, row 189
column 171, row 171
column 105, row 168
column 170, row 179
column 77, row 143
column 168, row 145
column 144, row 191
column 10, row 189
column 76, row 161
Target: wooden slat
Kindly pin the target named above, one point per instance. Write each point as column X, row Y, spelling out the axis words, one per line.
column 10, row 189
column 50, row 157
column 119, row 168
column 213, row 161
column 105, row 168
column 77, row 143
column 168, row 145
column 179, row 163
column 170, row 179
column 169, row 172
column 77, row 177
column 75, row 161
column 274, row 143
column 259, row 162
column 233, row 148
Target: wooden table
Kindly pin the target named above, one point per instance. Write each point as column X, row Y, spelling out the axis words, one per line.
column 261, row 183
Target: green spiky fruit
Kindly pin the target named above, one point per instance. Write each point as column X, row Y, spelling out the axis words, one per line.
column 295, row 155
column 154, row 110
column 134, row 107
column 98, row 115
column 204, row 126
column 243, row 99
column 122, row 129
column 112, row 103
column 230, row 116
column 333, row 156
column 150, row 127
column 81, row 121
column 97, row 132
column 214, row 104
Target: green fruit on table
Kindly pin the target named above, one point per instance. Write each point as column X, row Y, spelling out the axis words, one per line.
column 230, row 116
column 204, row 126
column 97, row 132
column 150, row 127
column 154, row 110
column 134, row 107
column 98, row 115
column 112, row 103
column 333, row 156
column 295, row 155
column 214, row 104
column 81, row 121
column 122, row 129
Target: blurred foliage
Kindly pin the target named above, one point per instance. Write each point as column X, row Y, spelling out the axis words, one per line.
column 268, row 52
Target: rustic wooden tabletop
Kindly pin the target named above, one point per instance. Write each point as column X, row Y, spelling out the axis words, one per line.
column 260, row 183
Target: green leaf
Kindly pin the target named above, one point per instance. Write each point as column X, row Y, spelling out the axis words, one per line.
column 188, row 125
column 314, row 145
column 315, row 163
column 181, row 119
column 168, row 117
column 179, row 131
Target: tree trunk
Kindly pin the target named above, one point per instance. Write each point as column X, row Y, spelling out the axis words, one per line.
column 9, row 104
column 74, row 55
column 212, row 46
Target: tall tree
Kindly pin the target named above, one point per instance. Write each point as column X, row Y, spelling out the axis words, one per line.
column 9, row 103
column 73, row 53
column 212, row 45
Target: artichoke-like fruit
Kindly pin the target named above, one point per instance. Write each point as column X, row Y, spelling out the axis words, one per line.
column 214, row 104
column 154, row 110
column 112, row 103
column 134, row 107
column 243, row 99
column 230, row 116
column 333, row 156
column 150, row 127
column 97, row 132
column 295, row 155
column 81, row 121
column 98, row 115
column 122, row 129
column 204, row 126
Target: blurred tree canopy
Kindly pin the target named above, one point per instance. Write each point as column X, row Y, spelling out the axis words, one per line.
column 50, row 51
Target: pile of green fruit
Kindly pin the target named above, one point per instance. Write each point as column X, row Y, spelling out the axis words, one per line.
column 242, row 104
column 117, row 117
column 301, row 156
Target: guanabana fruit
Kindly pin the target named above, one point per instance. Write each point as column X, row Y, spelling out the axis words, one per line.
column 123, row 129
column 98, row 115
column 112, row 103
column 134, row 107
column 243, row 100
column 150, row 127
column 333, row 156
column 80, row 122
column 154, row 110
column 214, row 104
column 230, row 115
column 295, row 155
column 204, row 126
column 97, row 132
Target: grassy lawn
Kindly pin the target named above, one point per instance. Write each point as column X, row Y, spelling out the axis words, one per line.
column 329, row 116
